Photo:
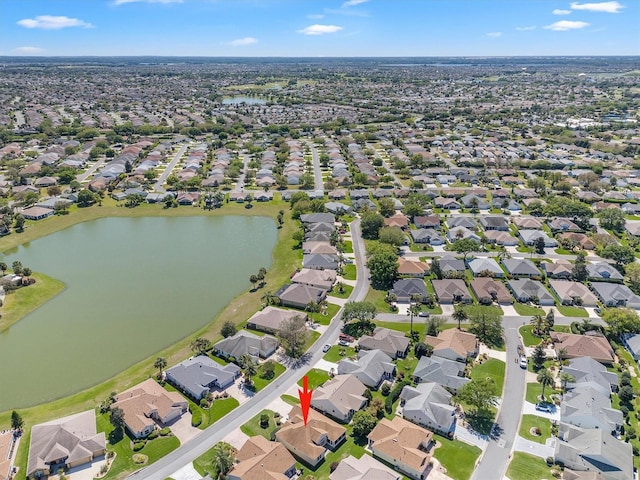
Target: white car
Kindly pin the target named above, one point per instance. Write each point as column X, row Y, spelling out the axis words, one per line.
column 326, row 348
column 523, row 362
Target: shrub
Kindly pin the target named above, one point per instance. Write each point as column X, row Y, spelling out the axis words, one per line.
column 139, row 445
column 165, row 431
column 549, row 461
column 367, row 394
column 196, row 417
column 264, row 420
column 385, row 389
column 394, row 395
column 537, row 431
column 154, row 434
column 333, row 466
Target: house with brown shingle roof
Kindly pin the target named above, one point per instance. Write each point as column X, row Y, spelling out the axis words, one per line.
column 454, row 344
column 412, row 268
column 260, row 459
column 593, row 346
column 311, row 442
column 402, row 444
column 391, row 342
column 148, row 403
column 579, row 239
column 269, row 319
column 491, row 290
column 340, row 397
column 397, row 220
column 315, row 278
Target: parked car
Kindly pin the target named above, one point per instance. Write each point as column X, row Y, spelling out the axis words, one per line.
column 326, row 348
column 545, row 407
column 423, row 313
column 523, row 362
column 343, row 343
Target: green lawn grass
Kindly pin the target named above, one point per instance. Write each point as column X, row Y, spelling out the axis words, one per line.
column 569, row 311
column 530, row 421
column 492, row 368
column 219, row 409
column 253, row 428
column 291, row 400
column 528, row 338
column 349, row 272
column 333, row 355
column 457, row 457
column 325, row 319
column 527, row 467
column 346, row 291
column 312, row 337
column 377, row 298
column 20, row 302
column 534, row 390
column 348, row 246
column 259, row 383
column 316, row 378
column 527, row 310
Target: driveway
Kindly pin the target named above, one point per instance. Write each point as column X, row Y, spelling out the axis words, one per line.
column 183, row 429
column 447, row 309
column 509, row 310
column 87, row 471
column 236, row 438
column 530, row 409
column 535, row 448
column 238, row 392
column 186, row 473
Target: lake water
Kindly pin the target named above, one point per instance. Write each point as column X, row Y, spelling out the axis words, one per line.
column 133, row 287
column 243, row 99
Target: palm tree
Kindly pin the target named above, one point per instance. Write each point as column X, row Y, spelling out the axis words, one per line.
column 540, row 325
column 223, row 459
column 459, row 315
column 160, row 364
column 545, row 378
column 312, row 307
column 250, row 370
column 566, row 378
column 414, row 309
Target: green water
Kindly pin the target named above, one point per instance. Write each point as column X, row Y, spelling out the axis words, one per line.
column 133, row 287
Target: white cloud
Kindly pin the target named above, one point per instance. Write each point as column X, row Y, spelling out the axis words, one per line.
column 526, row 29
column 50, row 22
column 559, row 11
column 122, row 2
column 28, row 50
column 320, row 29
column 353, row 3
column 315, row 16
column 607, row 7
column 494, row 34
column 239, row 42
column 564, row 25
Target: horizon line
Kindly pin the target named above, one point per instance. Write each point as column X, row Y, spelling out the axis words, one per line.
column 327, row 56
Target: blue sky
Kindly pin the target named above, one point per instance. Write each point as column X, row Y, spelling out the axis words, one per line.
column 319, row 27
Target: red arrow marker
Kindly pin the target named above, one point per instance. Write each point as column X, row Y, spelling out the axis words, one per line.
column 305, row 399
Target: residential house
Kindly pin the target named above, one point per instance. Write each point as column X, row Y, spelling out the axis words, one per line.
column 526, row 290
column 520, row 267
column 427, row 236
column 363, row 468
column 501, row 238
column 632, row 342
column 298, row 295
column 315, row 278
column 559, row 224
column 320, row 261
column 485, row 267
column 319, row 247
column 402, row 444
column 595, row 450
column 461, row 221
column 372, row 367
column 317, row 218
column 64, row 443
column 147, row 404
column 338, row 208
column 558, row 269
column 260, row 459
column 406, row 289
column 589, row 372
column 529, row 237
column 36, row 213
column 446, row 373
column 573, row 293
column 572, row 345
column 526, row 223
column 340, row 397
column 398, row 219
column 427, row 221
column 471, row 201
column 197, row 376
column 603, row 272
column 615, row 295
column 246, row 343
column 429, row 405
column 454, row 344
column 391, row 342
column 446, row 203
column 7, row 444
column 451, row 265
column 488, row 290
column 412, row 268
column 451, row 290
column 494, row 223
column 578, row 239
column 586, row 407
column 310, row 442
column 270, row 319
column 458, row 233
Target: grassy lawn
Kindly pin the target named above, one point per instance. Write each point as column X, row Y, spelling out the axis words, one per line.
column 528, row 338
column 316, row 378
column 568, row 311
column 527, row 467
column 124, row 464
column 311, row 339
column 260, row 382
column 531, row 421
column 332, row 309
column 492, row 368
column 334, row 353
column 346, row 291
column 527, row 310
column 20, row 302
column 349, row 272
column 253, row 428
column 457, row 457
column 534, row 390
column 290, row 399
column 348, row 246
column 218, row 410
column 377, row 298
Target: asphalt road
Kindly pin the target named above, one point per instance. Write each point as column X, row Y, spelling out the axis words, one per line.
column 317, row 172
column 186, row 453
column 159, row 187
column 507, row 320
column 239, row 187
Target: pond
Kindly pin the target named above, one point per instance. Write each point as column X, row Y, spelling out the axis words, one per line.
column 133, row 287
column 239, row 99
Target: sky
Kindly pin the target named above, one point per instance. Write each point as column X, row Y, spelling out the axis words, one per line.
column 319, row 28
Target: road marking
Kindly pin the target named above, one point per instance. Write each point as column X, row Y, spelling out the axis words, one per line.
column 502, row 443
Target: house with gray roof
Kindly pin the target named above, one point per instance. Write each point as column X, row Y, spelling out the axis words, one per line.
column 406, row 288
column 315, row 278
column 494, row 222
column 451, row 290
column 320, row 261
column 573, row 293
column 270, row 319
column 363, row 468
column 246, row 343
column 457, row 233
column 452, row 265
column 391, row 342
column 603, row 272
column 615, row 295
column 340, row 397
column 461, row 221
column 483, row 265
column 317, row 218
column 520, row 267
column 589, row 372
column 529, row 237
column 429, row 405
column 427, row 221
column 298, row 295
column 586, row 407
column 632, row 342
column 197, row 376
column 372, row 367
column 558, row 269
column 446, row 373
column 595, row 450
column 427, row 236
column 526, row 290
